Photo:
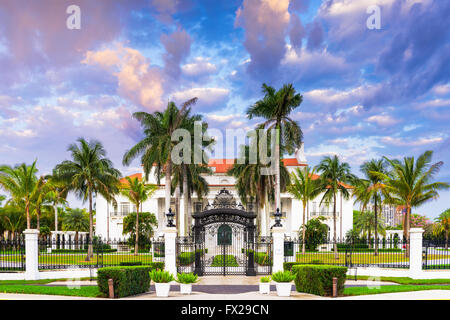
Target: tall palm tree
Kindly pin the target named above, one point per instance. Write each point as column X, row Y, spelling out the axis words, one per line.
column 39, row 197
column 157, row 145
column 409, row 184
column 137, row 192
column 276, row 107
column 252, row 185
column 13, row 220
column 188, row 175
column 304, row 188
column 334, row 174
column 57, row 195
column 89, row 172
column 443, row 225
column 76, row 220
column 375, row 188
column 20, row 182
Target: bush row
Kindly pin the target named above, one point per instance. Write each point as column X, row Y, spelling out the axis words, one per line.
column 127, row 280
column 318, row 279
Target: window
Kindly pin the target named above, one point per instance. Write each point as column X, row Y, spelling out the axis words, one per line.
column 124, row 208
column 324, row 210
column 198, row 206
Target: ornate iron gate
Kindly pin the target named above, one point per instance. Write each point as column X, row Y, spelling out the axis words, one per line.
column 224, row 242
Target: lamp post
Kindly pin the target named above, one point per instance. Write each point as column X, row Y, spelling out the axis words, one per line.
column 277, row 216
column 170, row 216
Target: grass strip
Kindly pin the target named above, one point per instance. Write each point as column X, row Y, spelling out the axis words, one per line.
column 403, row 280
column 84, row 291
column 359, row 291
column 41, row 281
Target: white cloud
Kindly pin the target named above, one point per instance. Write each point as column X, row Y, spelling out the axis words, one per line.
column 412, row 143
column 200, row 67
column 383, row 120
column 208, row 98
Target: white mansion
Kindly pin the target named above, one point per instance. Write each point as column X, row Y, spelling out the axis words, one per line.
column 109, row 218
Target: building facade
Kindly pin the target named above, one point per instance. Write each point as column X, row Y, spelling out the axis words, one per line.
column 109, row 218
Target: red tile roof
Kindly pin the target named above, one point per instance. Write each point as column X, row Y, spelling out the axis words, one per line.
column 136, row 175
column 223, row 165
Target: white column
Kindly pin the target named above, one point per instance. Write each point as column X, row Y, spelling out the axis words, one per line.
column 415, row 252
column 31, row 254
column 54, row 235
column 278, row 248
column 170, row 265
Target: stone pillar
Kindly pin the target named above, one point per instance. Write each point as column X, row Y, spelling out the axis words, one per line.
column 415, row 252
column 31, row 254
column 170, row 261
column 278, row 248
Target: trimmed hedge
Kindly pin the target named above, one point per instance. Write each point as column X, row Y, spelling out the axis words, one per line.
column 128, row 280
column 318, row 279
column 186, row 258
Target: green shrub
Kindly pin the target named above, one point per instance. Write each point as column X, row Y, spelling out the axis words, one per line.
column 265, row 279
column 130, row 263
column 230, row 261
column 160, row 276
column 283, row 276
column 127, row 280
column 319, row 279
column 288, row 266
column 187, row 278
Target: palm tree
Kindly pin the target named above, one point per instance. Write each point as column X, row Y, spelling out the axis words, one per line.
column 252, row 185
column 20, row 182
column 76, row 220
column 137, row 192
column 39, row 197
column 157, row 145
column 304, row 188
column 375, row 188
column 409, row 184
column 333, row 176
column 1, row 199
column 275, row 107
column 57, row 195
column 13, row 220
column 443, row 225
column 366, row 224
column 90, row 172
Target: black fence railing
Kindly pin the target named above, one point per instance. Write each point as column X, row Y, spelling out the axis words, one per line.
column 69, row 254
column 436, row 255
column 12, row 255
column 391, row 253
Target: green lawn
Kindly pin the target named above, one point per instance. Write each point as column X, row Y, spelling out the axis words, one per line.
column 80, row 259
column 358, row 291
column 84, row 291
column 404, row 280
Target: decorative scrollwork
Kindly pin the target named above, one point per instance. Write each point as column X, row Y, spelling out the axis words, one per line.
column 224, row 199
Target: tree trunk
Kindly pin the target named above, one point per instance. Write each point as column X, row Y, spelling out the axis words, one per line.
column 336, row 256
column 277, row 170
column 303, row 229
column 91, row 228
column 407, row 225
column 168, row 183
column 38, row 218
column 446, row 239
column 27, row 209
column 136, row 241
column 177, row 208
column 185, row 202
column 376, row 227
column 55, row 209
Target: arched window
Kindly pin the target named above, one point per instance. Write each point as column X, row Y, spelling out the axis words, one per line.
column 224, row 235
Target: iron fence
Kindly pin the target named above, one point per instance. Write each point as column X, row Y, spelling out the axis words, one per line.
column 390, row 253
column 436, row 255
column 71, row 254
column 12, row 255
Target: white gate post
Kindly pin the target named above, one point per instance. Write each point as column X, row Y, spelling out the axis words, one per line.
column 170, row 234
column 278, row 248
column 31, row 254
column 415, row 252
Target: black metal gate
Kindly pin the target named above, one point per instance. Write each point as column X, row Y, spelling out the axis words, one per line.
column 224, row 242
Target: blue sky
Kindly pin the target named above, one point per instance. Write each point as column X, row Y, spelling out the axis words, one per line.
column 367, row 93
